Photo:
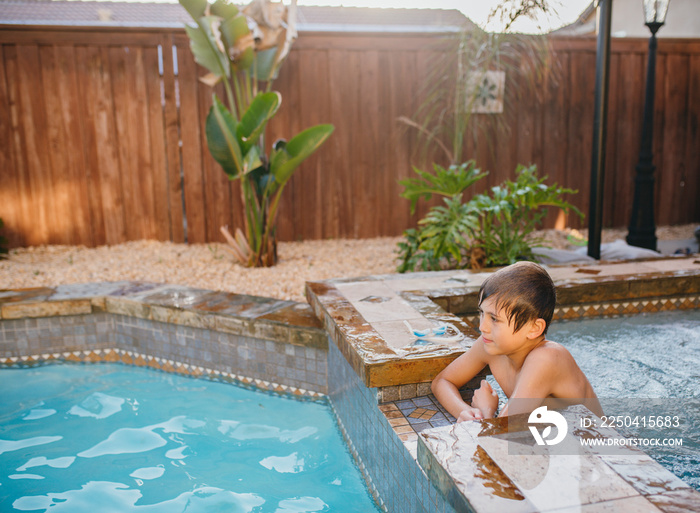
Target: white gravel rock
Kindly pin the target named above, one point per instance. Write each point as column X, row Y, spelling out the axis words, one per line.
column 209, row 266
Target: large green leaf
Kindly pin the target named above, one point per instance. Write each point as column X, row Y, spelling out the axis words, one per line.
column 254, row 120
column 284, row 161
column 266, row 65
column 239, row 42
column 195, row 8
column 252, row 160
column 223, row 9
column 221, row 139
column 446, row 182
column 205, row 46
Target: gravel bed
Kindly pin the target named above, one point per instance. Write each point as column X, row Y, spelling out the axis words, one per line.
column 209, row 266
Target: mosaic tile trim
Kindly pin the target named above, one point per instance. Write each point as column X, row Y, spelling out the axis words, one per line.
column 411, row 416
column 143, row 360
column 615, row 308
column 627, row 307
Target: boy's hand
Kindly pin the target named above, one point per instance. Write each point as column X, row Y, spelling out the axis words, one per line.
column 470, row 413
column 485, row 400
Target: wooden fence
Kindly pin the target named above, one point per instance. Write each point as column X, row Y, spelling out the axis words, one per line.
column 101, row 134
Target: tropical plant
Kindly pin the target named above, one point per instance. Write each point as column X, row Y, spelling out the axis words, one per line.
column 492, row 229
column 443, row 224
column 512, row 212
column 244, row 61
column 445, row 182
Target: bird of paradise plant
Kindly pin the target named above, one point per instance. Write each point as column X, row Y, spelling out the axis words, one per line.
column 243, row 49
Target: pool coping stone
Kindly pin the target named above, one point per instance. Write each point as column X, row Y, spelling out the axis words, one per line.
column 264, row 318
column 365, row 316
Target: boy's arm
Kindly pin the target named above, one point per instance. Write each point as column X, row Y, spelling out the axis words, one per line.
column 446, row 385
column 535, row 382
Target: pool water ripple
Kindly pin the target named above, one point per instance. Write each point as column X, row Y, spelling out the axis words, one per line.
column 646, row 359
column 126, row 439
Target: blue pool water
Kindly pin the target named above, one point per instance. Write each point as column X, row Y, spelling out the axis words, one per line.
column 114, row 438
column 642, row 365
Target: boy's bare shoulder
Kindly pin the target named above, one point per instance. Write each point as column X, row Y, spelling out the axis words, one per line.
column 549, row 354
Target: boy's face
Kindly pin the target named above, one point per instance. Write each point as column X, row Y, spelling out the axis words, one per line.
column 497, row 333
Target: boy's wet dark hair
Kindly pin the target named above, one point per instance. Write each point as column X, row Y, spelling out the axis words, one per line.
column 524, row 291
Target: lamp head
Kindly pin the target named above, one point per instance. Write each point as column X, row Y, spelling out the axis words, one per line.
column 655, row 13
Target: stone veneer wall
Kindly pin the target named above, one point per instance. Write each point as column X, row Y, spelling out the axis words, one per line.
column 285, row 364
column 401, row 485
column 48, row 335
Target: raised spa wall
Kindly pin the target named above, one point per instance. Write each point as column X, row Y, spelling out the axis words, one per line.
column 351, row 346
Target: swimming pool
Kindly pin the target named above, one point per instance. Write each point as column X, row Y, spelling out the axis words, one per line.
column 284, row 347
column 128, row 438
column 641, row 365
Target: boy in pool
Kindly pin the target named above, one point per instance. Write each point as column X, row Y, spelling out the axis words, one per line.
column 516, row 305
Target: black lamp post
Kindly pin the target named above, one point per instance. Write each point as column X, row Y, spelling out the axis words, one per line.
column 642, row 230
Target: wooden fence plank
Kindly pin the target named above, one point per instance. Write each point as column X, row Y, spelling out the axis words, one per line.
column 626, row 125
column 132, row 130
column 190, row 134
column 59, row 166
column 172, row 145
column 690, row 177
column 675, row 122
column 317, row 101
column 79, row 208
column 611, row 140
column 11, row 196
column 126, row 134
column 580, row 132
column 555, row 120
column 349, row 128
column 87, row 74
column 402, row 93
column 366, row 170
column 156, row 138
column 32, row 115
column 342, row 76
column 385, row 161
column 99, row 150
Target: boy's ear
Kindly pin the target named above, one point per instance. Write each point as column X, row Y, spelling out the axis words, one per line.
column 536, row 328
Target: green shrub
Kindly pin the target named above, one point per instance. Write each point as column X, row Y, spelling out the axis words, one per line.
column 491, row 229
column 442, row 231
column 445, row 182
